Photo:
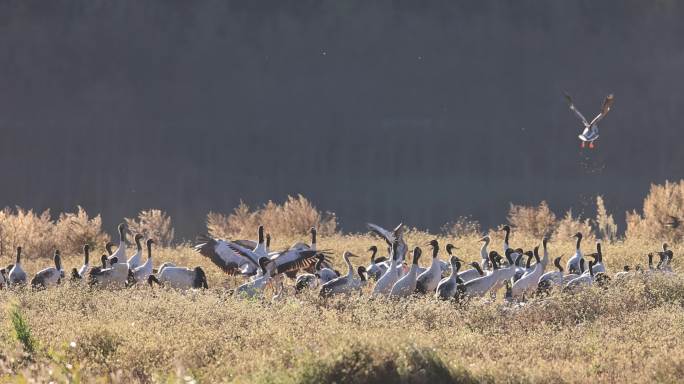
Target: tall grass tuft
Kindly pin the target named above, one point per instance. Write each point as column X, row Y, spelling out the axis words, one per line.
column 463, row 226
column 607, row 229
column 39, row 235
column 154, row 224
column 294, row 217
column 569, row 225
column 532, row 221
column 663, row 212
column 75, row 229
column 22, row 330
column 34, row 232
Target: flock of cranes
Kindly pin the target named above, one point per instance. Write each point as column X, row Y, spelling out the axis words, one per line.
column 115, row 269
column 310, row 268
column 514, row 270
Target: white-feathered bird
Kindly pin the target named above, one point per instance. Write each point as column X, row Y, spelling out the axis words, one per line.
column 324, row 274
column 224, row 255
column 582, row 280
column 143, row 272
column 16, row 274
column 478, row 287
column 50, row 276
column 180, row 278
column 552, row 278
column 507, row 229
column 345, row 283
column 484, row 253
column 397, row 234
column 427, row 281
column 529, row 282
column 598, row 256
column 377, row 265
column 473, row 273
column 448, row 287
column 120, row 252
column 81, row 272
column 406, row 286
column 115, row 275
column 573, row 263
column 255, row 287
column 387, row 280
column 590, row 132
column 135, row 260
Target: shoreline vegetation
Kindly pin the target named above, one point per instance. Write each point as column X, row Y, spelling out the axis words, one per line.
column 627, row 331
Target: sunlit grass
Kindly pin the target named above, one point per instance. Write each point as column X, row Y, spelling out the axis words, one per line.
column 630, row 332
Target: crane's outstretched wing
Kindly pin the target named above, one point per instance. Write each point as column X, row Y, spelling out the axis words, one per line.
column 386, row 235
column 572, row 108
column 607, row 104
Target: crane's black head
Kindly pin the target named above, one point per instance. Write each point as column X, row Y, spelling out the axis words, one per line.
column 416, row 254
column 361, row 270
column 261, row 234
column 200, row 279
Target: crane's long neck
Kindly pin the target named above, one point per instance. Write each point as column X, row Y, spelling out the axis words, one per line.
column 395, row 256
column 413, row 270
column 577, row 245
column 261, row 244
column 122, row 237
column 454, row 271
column 58, row 262
column 435, row 260
column 483, row 249
column 350, row 269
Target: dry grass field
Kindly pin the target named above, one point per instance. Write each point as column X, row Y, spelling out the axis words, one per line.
column 628, row 332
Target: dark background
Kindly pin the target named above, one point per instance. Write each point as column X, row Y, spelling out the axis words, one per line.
column 381, row 111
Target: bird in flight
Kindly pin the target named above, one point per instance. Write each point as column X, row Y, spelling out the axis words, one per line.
column 590, row 132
